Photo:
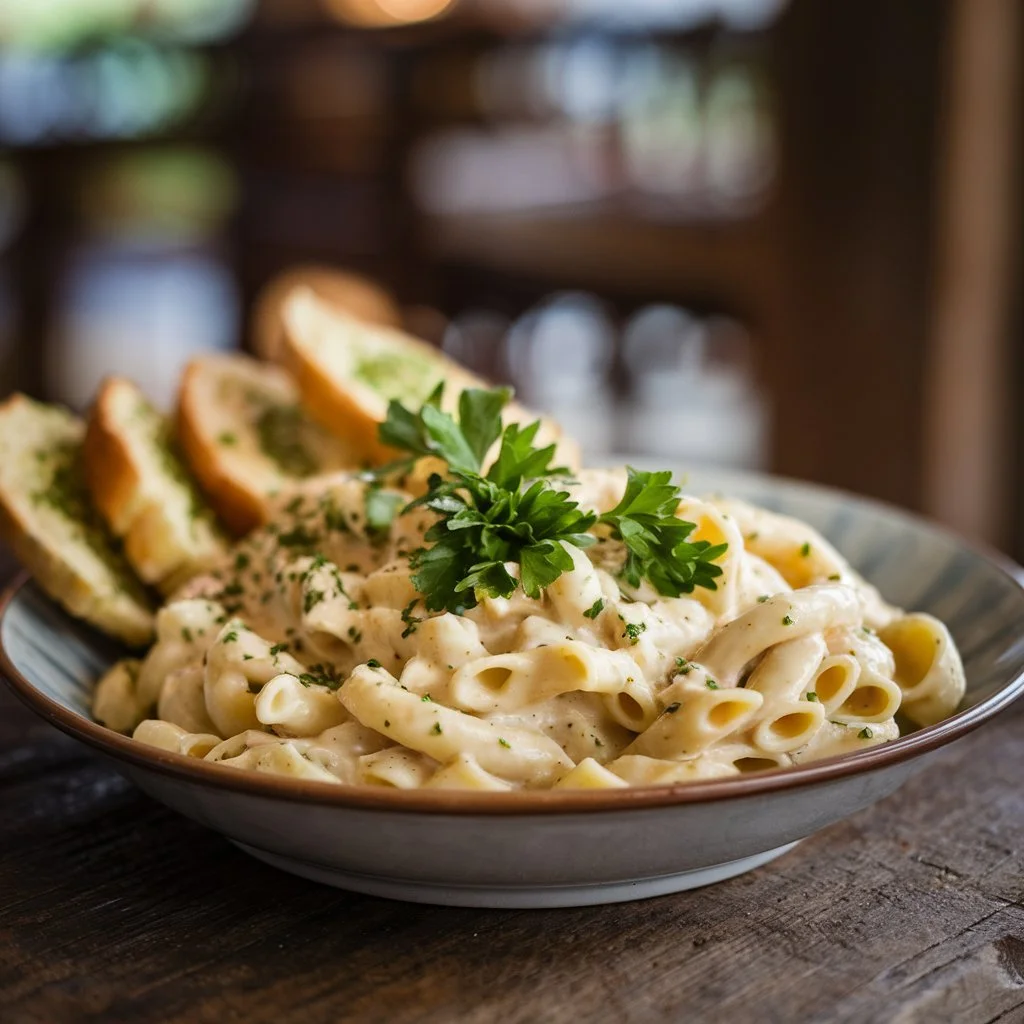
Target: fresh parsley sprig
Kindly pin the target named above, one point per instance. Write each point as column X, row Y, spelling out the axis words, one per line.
column 655, row 538
column 515, row 513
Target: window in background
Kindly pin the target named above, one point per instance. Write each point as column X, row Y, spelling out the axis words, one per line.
column 661, row 381
column 120, row 90
column 559, row 356
column 123, row 265
column 692, row 391
column 62, row 24
column 148, row 285
column 600, row 123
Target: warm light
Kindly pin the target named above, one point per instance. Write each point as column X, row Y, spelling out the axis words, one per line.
column 382, row 13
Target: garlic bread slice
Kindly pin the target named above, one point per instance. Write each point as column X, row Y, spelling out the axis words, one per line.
column 344, row 290
column 46, row 517
column 348, row 370
column 246, row 438
column 143, row 490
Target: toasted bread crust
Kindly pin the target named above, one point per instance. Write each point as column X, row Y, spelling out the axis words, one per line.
column 319, row 342
column 320, row 347
column 237, row 505
column 110, row 471
column 275, row 444
column 141, row 491
column 118, row 616
column 336, row 408
column 352, row 293
column 108, row 599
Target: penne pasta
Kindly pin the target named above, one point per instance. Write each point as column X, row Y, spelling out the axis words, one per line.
column 313, row 653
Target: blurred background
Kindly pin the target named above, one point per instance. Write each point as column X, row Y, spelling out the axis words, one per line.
column 759, row 233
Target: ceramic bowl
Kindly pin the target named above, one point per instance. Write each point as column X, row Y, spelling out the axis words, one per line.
column 564, row 848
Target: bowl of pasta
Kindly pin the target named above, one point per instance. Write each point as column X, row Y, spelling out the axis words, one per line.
column 469, row 671
column 511, row 756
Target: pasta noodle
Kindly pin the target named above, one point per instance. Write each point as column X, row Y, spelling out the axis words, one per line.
column 311, row 654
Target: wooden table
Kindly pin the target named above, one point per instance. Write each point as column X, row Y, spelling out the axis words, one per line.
column 114, row 909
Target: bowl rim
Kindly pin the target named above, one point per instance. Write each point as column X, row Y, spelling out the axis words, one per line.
column 441, row 802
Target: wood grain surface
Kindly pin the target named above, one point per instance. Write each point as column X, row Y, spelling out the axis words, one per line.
column 114, row 909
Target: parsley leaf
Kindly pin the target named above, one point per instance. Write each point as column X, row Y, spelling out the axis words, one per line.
column 480, row 418
column 518, row 460
column 381, row 509
column 655, row 538
column 515, row 514
column 541, row 564
column 432, row 431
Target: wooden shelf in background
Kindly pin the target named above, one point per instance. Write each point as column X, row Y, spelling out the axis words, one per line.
column 610, row 251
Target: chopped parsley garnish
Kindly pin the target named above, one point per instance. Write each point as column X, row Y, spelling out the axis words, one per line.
column 763, row 598
column 278, row 649
column 835, row 576
column 410, row 620
column 227, row 438
column 426, row 698
column 334, row 517
column 280, row 431
column 865, row 733
column 787, row 620
column 311, row 599
column 230, row 638
column 711, row 684
column 321, row 675
column 186, row 634
column 655, row 538
column 373, row 663
column 318, row 562
column 241, row 561
column 514, row 513
column 595, row 609
column 437, row 730
column 391, row 373
column 299, row 537
column 805, row 549
column 504, row 743
column 63, row 489
column 812, row 696
column 354, row 635
column 633, row 631
column 683, row 666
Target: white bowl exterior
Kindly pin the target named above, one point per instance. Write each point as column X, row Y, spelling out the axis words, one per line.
column 474, row 859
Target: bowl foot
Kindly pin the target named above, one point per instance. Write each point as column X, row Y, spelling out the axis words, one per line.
column 523, row 897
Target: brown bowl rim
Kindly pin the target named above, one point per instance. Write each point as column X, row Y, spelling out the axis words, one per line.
column 521, row 802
